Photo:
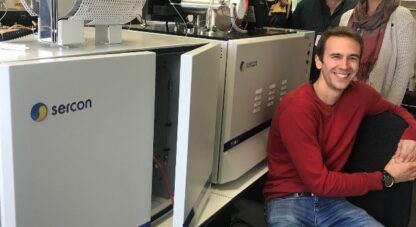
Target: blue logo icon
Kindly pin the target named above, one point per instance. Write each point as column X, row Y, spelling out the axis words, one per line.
column 39, row 112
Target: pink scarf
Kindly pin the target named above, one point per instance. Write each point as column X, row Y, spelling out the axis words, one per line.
column 372, row 30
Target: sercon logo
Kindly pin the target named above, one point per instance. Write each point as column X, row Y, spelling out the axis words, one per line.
column 247, row 65
column 40, row 111
column 71, row 107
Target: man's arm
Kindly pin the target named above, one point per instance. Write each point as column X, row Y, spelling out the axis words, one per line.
column 401, row 171
column 406, row 151
column 299, row 130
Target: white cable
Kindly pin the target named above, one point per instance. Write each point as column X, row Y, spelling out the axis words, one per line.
column 4, row 4
column 234, row 18
column 184, row 22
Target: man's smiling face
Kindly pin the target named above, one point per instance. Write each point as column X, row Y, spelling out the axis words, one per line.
column 340, row 62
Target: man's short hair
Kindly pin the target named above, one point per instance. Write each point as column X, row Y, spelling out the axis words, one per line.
column 341, row 31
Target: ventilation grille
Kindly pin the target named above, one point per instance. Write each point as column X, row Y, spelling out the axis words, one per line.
column 108, row 12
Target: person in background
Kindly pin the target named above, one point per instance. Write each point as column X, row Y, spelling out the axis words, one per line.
column 389, row 33
column 280, row 14
column 318, row 16
column 311, row 138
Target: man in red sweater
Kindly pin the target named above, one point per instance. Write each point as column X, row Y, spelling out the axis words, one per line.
column 312, row 135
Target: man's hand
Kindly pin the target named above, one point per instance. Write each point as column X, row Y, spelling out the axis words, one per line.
column 401, row 171
column 406, row 151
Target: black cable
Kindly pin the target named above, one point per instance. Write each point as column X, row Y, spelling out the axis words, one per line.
column 15, row 34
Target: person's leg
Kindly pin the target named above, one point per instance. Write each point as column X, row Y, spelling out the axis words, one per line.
column 290, row 211
column 339, row 212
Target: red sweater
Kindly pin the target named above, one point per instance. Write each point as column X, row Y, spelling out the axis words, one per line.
column 310, row 142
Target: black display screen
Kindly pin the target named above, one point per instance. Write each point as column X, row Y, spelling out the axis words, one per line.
column 163, row 10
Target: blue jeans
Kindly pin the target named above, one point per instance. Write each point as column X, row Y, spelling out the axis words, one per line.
column 316, row 211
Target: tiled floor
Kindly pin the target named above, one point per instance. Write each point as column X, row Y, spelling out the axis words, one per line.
column 412, row 222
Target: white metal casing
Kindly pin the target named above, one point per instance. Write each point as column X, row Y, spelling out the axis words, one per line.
column 135, row 42
column 196, row 132
column 259, row 71
column 87, row 162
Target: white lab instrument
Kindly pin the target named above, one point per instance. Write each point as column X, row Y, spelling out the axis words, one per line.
column 75, row 150
column 77, row 129
column 256, row 73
